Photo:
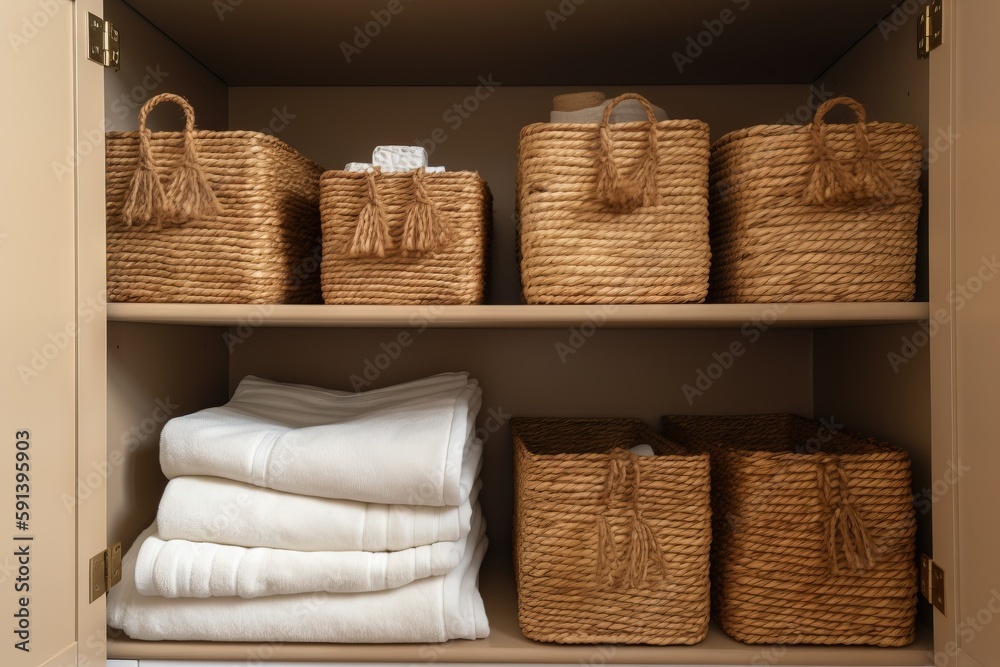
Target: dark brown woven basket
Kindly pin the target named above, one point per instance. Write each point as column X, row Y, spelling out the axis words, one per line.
column 405, row 238
column 816, row 212
column 210, row 217
column 609, row 546
column 814, row 531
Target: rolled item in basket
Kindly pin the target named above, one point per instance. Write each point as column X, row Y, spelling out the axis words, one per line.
column 628, row 111
column 212, row 509
column 434, row 609
column 412, row 444
column 399, row 158
column 367, row 167
column 184, row 569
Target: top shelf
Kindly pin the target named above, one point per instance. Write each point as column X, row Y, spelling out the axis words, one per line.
column 666, row 316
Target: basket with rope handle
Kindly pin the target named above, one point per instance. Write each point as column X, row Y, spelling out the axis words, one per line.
column 399, row 238
column 818, row 212
column 814, row 531
column 614, row 213
column 609, row 546
column 209, row 217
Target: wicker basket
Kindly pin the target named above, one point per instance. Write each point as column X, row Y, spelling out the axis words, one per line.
column 614, row 213
column 210, row 217
column 813, row 531
column 405, row 238
column 609, row 546
column 816, row 213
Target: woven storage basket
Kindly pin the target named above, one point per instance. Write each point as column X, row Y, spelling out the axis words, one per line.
column 614, row 213
column 817, row 212
column 609, row 546
column 813, row 531
column 211, row 217
column 405, row 238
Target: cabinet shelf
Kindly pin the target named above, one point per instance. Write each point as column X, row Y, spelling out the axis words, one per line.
column 507, row 645
column 668, row 316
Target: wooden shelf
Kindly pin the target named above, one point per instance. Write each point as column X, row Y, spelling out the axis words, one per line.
column 506, row 644
column 672, row 316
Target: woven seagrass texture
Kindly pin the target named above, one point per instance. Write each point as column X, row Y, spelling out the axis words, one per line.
column 255, row 240
column 814, row 531
column 614, row 213
column 817, row 212
column 609, row 546
column 405, row 238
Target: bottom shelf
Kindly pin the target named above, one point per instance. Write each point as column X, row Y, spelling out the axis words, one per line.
column 506, row 644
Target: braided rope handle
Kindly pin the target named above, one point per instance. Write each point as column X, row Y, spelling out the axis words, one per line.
column 860, row 178
column 187, row 194
column 631, row 569
column 619, row 192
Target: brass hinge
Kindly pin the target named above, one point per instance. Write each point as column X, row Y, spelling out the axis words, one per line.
column 930, row 29
column 104, row 45
column 932, row 582
column 105, row 570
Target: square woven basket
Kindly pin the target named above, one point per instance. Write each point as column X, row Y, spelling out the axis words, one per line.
column 814, row 531
column 614, row 213
column 609, row 546
column 405, row 238
column 210, row 217
column 817, row 212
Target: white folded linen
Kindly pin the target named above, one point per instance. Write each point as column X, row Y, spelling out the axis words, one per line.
column 184, row 569
column 412, row 444
column 435, row 609
column 212, row 509
column 399, row 158
column 366, row 167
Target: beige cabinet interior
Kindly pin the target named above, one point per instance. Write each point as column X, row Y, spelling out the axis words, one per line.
column 163, row 362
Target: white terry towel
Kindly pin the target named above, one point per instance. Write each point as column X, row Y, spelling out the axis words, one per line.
column 409, row 445
column 212, row 509
column 183, row 569
column 435, row 609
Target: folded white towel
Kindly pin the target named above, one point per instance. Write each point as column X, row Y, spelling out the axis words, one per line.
column 408, row 445
column 183, row 569
column 435, row 609
column 212, row 509
column 366, row 167
column 399, row 158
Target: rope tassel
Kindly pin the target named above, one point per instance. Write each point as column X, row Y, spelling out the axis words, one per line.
column 188, row 194
column 642, row 549
column 371, row 236
column 621, row 194
column 423, row 227
column 845, row 533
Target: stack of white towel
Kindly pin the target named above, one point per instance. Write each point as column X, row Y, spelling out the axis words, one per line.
column 299, row 514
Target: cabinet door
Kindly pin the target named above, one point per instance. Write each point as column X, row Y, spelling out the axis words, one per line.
column 51, row 341
column 977, row 252
column 965, row 240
